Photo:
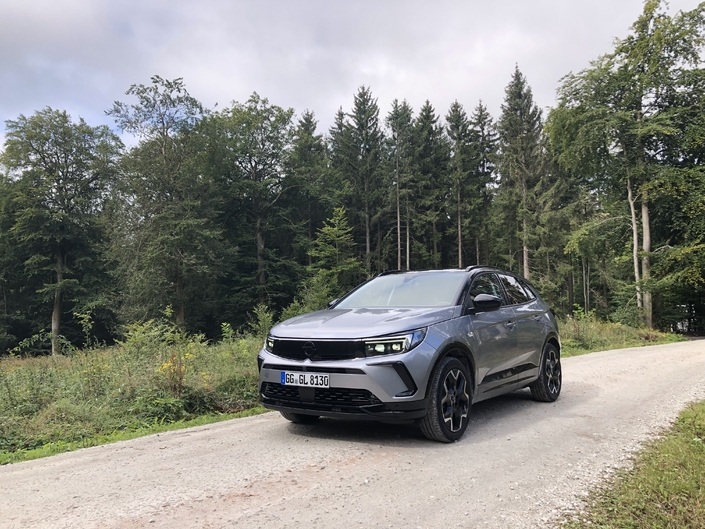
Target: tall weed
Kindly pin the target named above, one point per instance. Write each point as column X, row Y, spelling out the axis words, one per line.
column 158, row 373
column 585, row 333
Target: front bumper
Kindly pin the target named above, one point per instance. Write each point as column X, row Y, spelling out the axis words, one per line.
column 377, row 388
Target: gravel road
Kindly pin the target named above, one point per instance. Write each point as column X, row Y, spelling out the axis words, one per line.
column 520, row 463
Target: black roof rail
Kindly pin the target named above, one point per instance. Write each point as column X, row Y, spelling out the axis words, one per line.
column 475, row 267
column 389, row 272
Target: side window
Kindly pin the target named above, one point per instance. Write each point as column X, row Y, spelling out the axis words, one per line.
column 515, row 292
column 529, row 289
column 486, row 284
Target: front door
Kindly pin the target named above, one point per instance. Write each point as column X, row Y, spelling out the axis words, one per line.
column 496, row 338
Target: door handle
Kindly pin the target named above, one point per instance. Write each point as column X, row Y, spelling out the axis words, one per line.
column 537, row 317
column 510, row 324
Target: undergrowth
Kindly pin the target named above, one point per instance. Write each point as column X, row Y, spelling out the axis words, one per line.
column 584, row 333
column 158, row 375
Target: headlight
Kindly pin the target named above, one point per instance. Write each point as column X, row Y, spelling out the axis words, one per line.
column 269, row 344
column 394, row 344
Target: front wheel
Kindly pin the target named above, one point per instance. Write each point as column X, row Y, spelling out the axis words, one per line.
column 548, row 386
column 449, row 404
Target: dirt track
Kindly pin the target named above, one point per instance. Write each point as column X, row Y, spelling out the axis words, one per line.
column 519, row 465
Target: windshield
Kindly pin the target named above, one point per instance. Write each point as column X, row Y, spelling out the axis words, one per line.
column 427, row 289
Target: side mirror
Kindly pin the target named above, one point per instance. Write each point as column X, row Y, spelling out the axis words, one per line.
column 332, row 302
column 485, row 303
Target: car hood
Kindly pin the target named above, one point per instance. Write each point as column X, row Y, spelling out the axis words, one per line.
column 360, row 323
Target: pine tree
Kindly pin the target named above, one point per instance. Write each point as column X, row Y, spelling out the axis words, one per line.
column 484, row 140
column 431, row 159
column 400, row 143
column 520, row 163
column 356, row 149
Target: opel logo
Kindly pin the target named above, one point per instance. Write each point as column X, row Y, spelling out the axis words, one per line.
column 309, row 349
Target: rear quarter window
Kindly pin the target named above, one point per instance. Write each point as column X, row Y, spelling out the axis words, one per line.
column 515, row 292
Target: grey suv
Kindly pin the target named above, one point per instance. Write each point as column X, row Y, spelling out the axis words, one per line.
column 416, row 347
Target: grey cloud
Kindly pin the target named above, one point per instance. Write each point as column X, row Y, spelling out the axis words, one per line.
column 83, row 55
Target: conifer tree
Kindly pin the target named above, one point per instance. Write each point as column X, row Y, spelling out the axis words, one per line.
column 400, row 143
column 520, row 163
column 431, row 159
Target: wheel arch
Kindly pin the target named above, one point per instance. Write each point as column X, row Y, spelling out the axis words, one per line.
column 553, row 339
column 455, row 350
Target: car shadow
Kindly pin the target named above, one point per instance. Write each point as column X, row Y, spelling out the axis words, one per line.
column 492, row 417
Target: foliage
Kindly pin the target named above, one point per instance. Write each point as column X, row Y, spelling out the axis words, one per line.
column 584, row 333
column 60, row 172
column 216, row 213
column 157, row 375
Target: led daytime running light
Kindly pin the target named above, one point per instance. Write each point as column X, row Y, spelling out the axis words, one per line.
column 394, row 344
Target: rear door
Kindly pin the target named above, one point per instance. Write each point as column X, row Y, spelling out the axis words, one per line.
column 530, row 322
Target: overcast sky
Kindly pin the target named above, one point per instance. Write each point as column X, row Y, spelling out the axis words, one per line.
column 81, row 55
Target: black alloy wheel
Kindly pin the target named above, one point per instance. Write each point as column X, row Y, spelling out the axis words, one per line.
column 449, row 402
column 548, row 386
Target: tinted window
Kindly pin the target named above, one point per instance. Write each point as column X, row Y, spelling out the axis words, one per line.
column 514, row 290
column 486, row 284
column 427, row 289
column 529, row 289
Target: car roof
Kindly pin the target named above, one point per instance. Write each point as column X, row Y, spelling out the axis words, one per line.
column 471, row 268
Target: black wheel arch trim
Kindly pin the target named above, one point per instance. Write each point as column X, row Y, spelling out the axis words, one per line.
column 466, row 357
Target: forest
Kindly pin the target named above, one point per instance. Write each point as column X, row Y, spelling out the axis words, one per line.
column 213, row 215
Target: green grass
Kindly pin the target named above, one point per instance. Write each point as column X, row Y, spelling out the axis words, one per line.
column 59, row 447
column 664, row 490
column 587, row 334
column 156, row 378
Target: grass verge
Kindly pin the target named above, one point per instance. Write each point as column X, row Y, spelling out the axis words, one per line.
column 158, row 378
column 664, row 490
column 586, row 334
column 58, row 447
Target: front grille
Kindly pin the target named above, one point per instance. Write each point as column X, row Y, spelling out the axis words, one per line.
column 318, row 350
column 357, row 397
column 314, row 369
column 330, row 399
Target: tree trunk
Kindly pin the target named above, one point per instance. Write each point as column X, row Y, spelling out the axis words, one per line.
column 398, row 222
column 56, row 312
column 435, row 242
column 180, row 303
column 525, row 230
column 477, row 250
column 259, row 239
column 586, row 288
column 408, row 238
column 368, row 250
column 310, row 234
column 460, row 235
column 571, row 296
column 645, row 259
column 604, row 282
column 635, row 243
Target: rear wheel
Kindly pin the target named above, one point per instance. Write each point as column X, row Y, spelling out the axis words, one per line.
column 449, row 404
column 299, row 418
column 548, row 386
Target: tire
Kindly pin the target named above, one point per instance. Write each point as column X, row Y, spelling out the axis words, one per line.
column 299, row 418
column 548, row 386
column 450, row 399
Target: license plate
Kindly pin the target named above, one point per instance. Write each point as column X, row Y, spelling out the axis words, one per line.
column 313, row 380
